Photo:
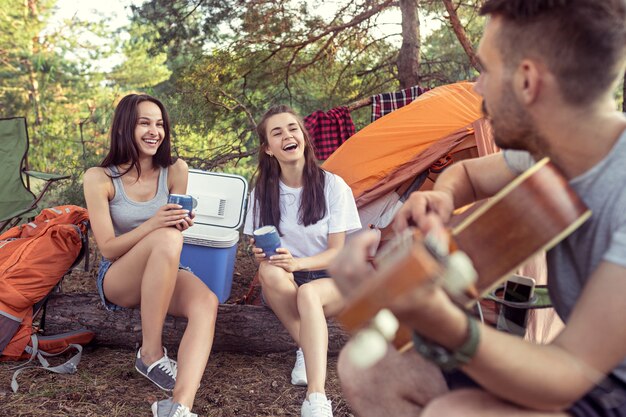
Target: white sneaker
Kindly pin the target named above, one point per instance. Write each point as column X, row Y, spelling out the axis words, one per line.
column 298, row 373
column 168, row 408
column 316, row 406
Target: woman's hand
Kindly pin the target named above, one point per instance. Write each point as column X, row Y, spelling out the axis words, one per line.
column 187, row 222
column 259, row 255
column 285, row 260
column 168, row 215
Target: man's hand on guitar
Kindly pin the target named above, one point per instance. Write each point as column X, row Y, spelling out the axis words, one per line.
column 414, row 211
column 429, row 311
column 350, row 266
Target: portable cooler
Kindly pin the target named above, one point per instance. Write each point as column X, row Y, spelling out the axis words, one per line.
column 210, row 245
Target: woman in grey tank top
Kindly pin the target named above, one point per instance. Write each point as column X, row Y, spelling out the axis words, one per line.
column 139, row 236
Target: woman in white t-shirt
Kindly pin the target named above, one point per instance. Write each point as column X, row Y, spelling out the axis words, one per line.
column 312, row 210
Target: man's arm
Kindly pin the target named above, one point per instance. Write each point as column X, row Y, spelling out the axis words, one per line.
column 460, row 184
column 475, row 179
column 543, row 377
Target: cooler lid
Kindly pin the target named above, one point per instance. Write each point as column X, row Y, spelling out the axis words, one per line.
column 211, row 236
column 222, row 198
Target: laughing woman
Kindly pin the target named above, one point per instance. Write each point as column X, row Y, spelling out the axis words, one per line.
column 139, row 236
column 312, row 210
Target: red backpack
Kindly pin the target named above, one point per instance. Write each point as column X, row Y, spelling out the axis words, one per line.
column 34, row 257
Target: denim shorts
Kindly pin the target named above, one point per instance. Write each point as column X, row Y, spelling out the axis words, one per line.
column 608, row 399
column 105, row 264
column 302, row 277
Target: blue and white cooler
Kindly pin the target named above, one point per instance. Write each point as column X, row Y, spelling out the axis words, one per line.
column 210, row 245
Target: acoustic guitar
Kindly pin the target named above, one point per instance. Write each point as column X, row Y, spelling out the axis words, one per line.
column 532, row 213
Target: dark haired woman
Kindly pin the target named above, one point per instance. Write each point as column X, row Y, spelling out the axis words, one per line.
column 139, row 236
column 312, row 210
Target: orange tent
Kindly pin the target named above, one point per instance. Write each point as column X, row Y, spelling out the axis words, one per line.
column 394, row 155
column 382, row 161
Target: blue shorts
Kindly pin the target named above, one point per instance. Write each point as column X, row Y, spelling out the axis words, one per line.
column 105, row 264
column 606, row 400
column 302, row 277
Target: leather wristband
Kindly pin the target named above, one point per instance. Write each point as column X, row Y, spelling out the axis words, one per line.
column 444, row 358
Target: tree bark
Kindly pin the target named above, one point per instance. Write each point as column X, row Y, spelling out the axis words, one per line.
column 408, row 57
column 359, row 103
column 239, row 328
column 34, row 90
column 459, row 31
column 32, row 14
column 624, row 94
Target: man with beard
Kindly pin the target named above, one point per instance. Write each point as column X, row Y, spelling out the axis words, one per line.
column 550, row 68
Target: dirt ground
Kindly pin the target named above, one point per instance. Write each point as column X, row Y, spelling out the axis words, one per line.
column 107, row 384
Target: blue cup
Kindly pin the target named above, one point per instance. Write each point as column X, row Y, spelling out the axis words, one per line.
column 186, row 201
column 267, row 238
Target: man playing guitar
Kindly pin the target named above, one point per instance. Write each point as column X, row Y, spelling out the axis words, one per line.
column 549, row 70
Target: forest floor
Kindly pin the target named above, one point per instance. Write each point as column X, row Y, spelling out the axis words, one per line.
column 107, row 384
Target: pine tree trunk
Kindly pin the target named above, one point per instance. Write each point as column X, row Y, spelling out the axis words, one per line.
column 34, row 92
column 240, row 328
column 408, row 57
column 624, row 94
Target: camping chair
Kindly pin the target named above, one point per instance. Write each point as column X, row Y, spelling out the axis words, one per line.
column 17, row 200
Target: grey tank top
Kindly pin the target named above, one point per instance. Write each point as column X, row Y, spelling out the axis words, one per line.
column 127, row 214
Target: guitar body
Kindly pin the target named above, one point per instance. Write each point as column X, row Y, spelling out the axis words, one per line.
column 533, row 213
column 401, row 270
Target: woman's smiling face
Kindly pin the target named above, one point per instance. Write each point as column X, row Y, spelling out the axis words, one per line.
column 149, row 131
column 285, row 139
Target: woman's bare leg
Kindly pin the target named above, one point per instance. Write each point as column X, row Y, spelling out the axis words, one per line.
column 317, row 300
column 193, row 300
column 279, row 291
column 146, row 276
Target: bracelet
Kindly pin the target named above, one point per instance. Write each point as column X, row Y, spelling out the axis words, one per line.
column 444, row 358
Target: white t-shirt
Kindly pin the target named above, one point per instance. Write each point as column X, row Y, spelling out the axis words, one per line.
column 341, row 216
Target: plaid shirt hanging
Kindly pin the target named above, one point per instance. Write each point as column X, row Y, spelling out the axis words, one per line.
column 385, row 103
column 329, row 130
